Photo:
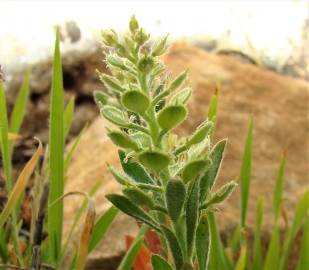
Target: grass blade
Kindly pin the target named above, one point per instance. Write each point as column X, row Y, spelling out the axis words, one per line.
column 303, row 260
column 158, row 263
column 128, row 260
column 19, row 109
column 55, row 212
column 301, row 213
column 273, row 252
column 68, row 117
column 245, row 173
column 20, row 185
column 277, row 197
column 218, row 258
column 257, row 249
column 5, row 151
column 101, row 226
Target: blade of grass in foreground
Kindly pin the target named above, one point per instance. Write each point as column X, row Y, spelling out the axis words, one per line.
column 245, row 174
column 101, row 226
column 213, row 107
column 128, row 260
column 5, row 152
column 19, row 109
column 273, row 252
column 257, row 250
column 56, row 142
column 301, row 213
column 20, row 185
column 277, row 197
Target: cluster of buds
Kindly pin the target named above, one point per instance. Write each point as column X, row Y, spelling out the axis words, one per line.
column 167, row 181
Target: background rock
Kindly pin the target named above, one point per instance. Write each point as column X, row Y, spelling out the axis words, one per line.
column 280, row 109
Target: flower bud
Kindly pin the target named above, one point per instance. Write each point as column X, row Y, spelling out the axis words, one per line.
column 135, row 101
column 99, row 98
column 140, row 36
column 193, row 169
column 115, row 61
column 182, row 97
column 122, row 140
column 178, row 81
column 114, row 115
column 160, row 47
column 154, row 160
column 171, row 116
column 145, row 64
column 110, row 38
column 133, row 24
column 110, row 82
column 201, row 133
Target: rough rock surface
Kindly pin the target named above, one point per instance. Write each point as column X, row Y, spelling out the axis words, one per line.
column 280, row 108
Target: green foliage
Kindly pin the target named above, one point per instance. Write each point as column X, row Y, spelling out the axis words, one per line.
column 166, row 179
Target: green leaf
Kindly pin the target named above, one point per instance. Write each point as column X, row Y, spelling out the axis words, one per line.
column 171, row 116
column 192, row 215
column 178, row 81
column 129, row 258
column 19, row 109
column 303, row 260
column 277, row 196
column 193, row 169
column 56, row 163
column 131, row 209
column 68, row 117
column 101, row 226
column 135, row 101
column 301, row 213
column 221, row 195
column 174, row 247
column 5, row 151
column 175, row 195
column 201, row 133
column 245, row 173
column 100, row 98
column 257, row 249
column 114, row 115
column 209, row 178
column 122, row 140
column 120, row 177
column 202, row 243
column 158, row 263
column 134, row 170
column 181, row 97
column 160, row 47
column 218, row 258
column 273, row 252
column 154, row 160
column 139, row 197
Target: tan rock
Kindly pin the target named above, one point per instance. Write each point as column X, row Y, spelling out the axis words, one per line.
column 280, row 108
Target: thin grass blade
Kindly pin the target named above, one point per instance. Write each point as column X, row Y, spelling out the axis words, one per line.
column 20, row 185
column 277, row 196
column 56, row 166
column 128, row 260
column 245, row 173
column 257, row 249
column 101, row 226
